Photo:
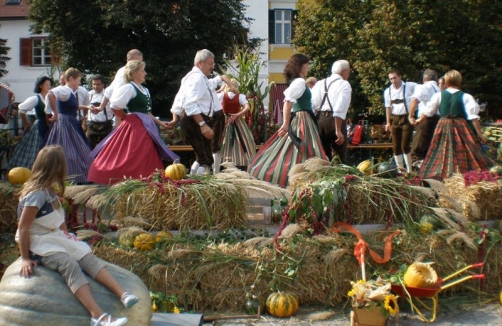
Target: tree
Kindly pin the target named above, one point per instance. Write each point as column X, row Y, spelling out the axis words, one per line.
column 3, row 56
column 94, row 36
column 409, row 35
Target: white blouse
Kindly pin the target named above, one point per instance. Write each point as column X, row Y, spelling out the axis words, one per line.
column 295, row 90
column 124, row 94
column 470, row 104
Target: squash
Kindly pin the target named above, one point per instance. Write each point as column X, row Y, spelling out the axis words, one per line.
column 46, row 299
column 429, row 223
column 126, row 240
column 366, row 167
column 19, row 175
column 162, row 235
column 282, row 304
column 420, row 275
column 253, row 305
column 387, row 170
column 144, row 241
column 176, row 171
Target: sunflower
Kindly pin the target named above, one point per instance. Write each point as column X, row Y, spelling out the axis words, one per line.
column 390, row 304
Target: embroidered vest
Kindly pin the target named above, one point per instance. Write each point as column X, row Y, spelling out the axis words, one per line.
column 140, row 103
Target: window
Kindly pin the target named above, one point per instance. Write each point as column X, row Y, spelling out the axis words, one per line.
column 12, row 2
column 281, row 25
column 36, row 52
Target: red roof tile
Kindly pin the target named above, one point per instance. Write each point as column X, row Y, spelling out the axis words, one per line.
column 15, row 10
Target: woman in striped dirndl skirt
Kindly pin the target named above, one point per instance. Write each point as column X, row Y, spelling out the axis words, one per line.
column 455, row 147
column 238, row 144
column 66, row 129
column 297, row 139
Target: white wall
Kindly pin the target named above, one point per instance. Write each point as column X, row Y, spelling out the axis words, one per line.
column 21, row 79
column 258, row 28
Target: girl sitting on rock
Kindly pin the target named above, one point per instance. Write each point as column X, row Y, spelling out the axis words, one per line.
column 44, row 239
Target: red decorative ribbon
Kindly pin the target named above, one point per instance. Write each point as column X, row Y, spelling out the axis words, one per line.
column 361, row 245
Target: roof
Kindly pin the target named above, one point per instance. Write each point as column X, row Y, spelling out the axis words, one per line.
column 13, row 11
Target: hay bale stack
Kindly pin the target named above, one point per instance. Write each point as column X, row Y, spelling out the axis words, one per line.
column 480, row 201
column 9, row 198
column 207, row 276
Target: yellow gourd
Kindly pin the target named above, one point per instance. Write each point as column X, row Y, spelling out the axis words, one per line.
column 19, row 175
column 176, row 171
column 144, row 241
column 161, row 235
column 126, row 240
column 420, row 275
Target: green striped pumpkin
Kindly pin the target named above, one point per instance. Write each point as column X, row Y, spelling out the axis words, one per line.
column 176, row 171
column 282, row 304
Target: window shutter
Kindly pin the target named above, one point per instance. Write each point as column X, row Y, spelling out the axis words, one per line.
column 271, row 27
column 294, row 21
column 25, row 52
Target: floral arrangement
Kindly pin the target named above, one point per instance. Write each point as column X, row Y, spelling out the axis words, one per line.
column 371, row 294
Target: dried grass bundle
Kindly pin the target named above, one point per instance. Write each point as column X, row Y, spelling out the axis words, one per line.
column 480, row 201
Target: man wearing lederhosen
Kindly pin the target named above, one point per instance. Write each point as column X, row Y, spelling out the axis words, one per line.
column 331, row 99
column 424, row 128
column 202, row 120
column 99, row 123
column 397, row 100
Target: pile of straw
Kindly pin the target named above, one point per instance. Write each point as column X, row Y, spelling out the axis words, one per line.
column 9, row 198
column 480, row 201
column 214, row 276
column 202, row 203
column 357, row 198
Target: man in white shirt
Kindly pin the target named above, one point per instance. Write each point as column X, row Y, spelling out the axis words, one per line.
column 397, row 100
column 99, row 124
column 424, row 129
column 331, row 99
column 202, row 120
column 118, row 81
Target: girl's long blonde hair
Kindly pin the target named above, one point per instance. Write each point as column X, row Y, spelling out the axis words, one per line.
column 49, row 170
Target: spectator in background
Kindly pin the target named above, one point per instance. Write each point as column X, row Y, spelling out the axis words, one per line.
column 311, row 81
column 99, row 122
column 442, row 83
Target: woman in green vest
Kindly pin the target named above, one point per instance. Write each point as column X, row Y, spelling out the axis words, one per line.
column 134, row 149
column 456, row 145
column 297, row 139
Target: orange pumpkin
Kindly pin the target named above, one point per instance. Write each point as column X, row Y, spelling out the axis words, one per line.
column 282, row 304
column 176, row 171
column 144, row 241
column 19, row 175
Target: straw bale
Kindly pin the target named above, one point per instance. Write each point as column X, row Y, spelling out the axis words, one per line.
column 480, row 201
column 217, row 276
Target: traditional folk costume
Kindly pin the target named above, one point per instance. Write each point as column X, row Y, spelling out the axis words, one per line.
column 274, row 160
column 401, row 129
column 197, row 95
column 424, row 131
column 26, row 151
column 68, row 133
column 238, row 142
column 331, row 99
column 134, row 149
column 454, row 147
